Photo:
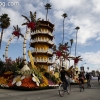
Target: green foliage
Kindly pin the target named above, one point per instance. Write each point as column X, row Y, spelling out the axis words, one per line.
column 54, row 79
column 41, row 68
column 1, row 65
column 47, row 75
column 5, row 21
column 30, row 72
column 50, row 77
column 56, row 69
column 10, row 65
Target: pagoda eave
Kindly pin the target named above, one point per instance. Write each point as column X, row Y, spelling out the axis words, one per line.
column 34, row 53
column 45, row 63
column 35, row 35
column 32, row 44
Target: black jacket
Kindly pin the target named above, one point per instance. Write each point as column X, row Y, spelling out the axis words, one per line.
column 63, row 73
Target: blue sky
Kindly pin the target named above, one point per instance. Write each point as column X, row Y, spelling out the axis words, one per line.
column 82, row 13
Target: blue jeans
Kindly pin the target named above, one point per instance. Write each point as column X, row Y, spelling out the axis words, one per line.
column 66, row 83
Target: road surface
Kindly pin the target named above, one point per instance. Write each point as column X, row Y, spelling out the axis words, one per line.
column 52, row 94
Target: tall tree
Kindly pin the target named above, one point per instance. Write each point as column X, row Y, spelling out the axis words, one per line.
column 47, row 6
column 16, row 33
column 4, row 23
column 64, row 16
column 77, row 28
column 32, row 25
column 71, row 42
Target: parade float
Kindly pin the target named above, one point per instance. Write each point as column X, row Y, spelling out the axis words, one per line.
column 36, row 73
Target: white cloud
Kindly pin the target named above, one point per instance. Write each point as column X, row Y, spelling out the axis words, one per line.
column 82, row 13
column 96, row 4
column 65, row 4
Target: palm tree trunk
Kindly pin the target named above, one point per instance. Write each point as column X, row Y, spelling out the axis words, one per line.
column 63, row 33
column 46, row 14
column 1, row 37
column 76, row 43
column 6, row 50
column 25, row 67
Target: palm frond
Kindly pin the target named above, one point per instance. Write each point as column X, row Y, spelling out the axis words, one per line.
column 64, row 15
column 26, row 18
column 14, row 28
column 21, row 35
column 24, row 23
column 47, row 6
column 77, row 28
column 66, row 44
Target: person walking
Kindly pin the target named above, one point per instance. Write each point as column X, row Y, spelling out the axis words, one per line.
column 88, row 77
column 98, row 77
column 81, row 79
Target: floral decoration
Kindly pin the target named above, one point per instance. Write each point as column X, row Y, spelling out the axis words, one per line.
column 35, row 79
column 17, row 80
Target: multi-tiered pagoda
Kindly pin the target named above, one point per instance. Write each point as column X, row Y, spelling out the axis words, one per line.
column 42, row 42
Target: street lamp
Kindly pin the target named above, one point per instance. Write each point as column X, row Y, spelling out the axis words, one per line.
column 64, row 16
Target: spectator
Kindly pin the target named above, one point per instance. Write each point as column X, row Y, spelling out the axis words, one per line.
column 98, row 78
column 88, row 77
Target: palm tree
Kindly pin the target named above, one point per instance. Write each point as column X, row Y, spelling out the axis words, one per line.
column 4, row 23
column 76, row 60
column 64, row 16
column 47, row 6
column 32, row 23
column 71, row 42
column 17, row 33
column 77, row 28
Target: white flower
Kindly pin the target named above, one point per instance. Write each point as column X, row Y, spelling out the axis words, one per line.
column 17, row 80
column 19, row 83
column 35, row 79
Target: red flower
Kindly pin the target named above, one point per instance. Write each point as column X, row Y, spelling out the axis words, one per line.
column 58, row 53
column 76, row 60
column 64, row 48
column 16, row 33
column 31, row 25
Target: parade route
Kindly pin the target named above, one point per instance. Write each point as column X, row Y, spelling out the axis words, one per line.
column 52, row 94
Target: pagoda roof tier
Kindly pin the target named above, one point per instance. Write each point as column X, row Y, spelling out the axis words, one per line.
column 46, row 63
column 49, row 54
column 43, row 61
column 46, row 24
column 34, row 35
column 49, row 43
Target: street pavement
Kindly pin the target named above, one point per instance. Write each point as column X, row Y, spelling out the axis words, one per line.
column 92, row 93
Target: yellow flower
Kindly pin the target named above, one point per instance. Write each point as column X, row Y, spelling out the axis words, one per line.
column 8, row 72
column 35, row 79
column 17, row 80
column 3, row 82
